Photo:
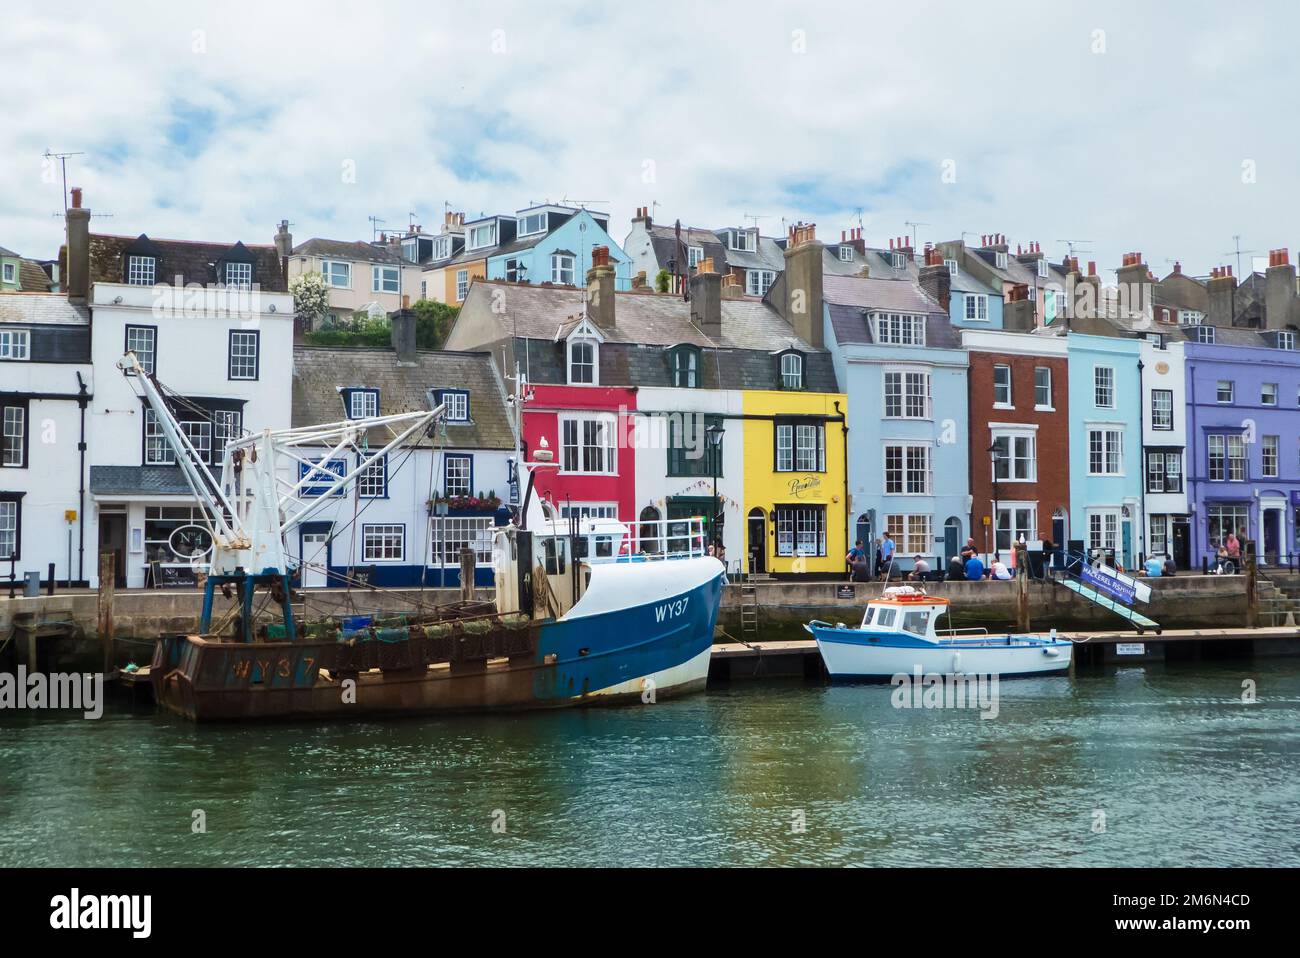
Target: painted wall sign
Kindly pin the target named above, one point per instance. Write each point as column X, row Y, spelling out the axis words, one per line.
column 809, row 487
column 1130, row 648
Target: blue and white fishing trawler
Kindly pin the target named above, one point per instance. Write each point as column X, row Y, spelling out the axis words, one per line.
column 899, row 634
column 585, row 612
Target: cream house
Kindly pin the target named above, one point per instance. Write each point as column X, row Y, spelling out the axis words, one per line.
column 361, row 276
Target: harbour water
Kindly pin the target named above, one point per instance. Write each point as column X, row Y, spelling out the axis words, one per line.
column 1142, row 766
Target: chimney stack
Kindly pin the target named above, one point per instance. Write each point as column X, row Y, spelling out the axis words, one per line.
column 935, row 278
column 402, row 329
column 1018, row 313
column 1221, row 291
column 706, row 299
column 283, row 240
column 800, row 302
column 642, row 215
column 1134, row 281
column 78, row 226
column 600, row 288
column 1279, row 290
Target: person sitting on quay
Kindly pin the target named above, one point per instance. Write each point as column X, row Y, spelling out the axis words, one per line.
column 920, row 569
column 997, row 570
column 974, row 569
column 857, row 563
column 956, row 569
column 1154, row 567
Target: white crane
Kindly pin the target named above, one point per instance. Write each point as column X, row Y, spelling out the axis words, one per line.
column 270, row 484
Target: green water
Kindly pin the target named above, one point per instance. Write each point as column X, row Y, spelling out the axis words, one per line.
column 1184, row 772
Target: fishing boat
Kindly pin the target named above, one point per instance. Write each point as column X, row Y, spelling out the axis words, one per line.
column 899, row 634
column 585, row 612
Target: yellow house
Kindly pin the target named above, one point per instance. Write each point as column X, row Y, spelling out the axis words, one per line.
column 795, row 481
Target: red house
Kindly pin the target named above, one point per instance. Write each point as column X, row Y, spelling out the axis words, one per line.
column 588, row 428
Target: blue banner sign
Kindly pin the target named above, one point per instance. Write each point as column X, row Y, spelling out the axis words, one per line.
column 1110, row 583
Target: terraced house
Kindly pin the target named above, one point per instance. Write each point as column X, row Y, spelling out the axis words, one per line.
column 372, row 278
column 633, row 390
column 905, row 372
column 214, row 323
column 541, row 244
column 405, row 521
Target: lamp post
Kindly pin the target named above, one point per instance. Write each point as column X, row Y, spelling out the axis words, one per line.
column 993, row 517
column 714, row 432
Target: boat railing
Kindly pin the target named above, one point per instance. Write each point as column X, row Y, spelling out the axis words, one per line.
column 668, row 539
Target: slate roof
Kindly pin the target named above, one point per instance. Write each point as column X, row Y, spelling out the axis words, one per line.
column 850, row 300
column 357, row 251
column 138, row 480
column 41, row 309
column 658, row 319
column 193, row 262
column 320, row 371
column 664, row 240
column 32, row 278
column 767, row 254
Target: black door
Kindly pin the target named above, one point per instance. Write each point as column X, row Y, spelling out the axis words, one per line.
column 757, row 542
column 1182, row 542
column 112, row 538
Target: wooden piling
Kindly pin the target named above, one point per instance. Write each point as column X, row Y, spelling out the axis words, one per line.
column 1252, row 584
column 107, row 582
column 1022, row 587
column 467, row 574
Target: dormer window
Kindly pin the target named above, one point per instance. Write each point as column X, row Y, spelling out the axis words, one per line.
column 1286, row 339
column 899, row 329
column 1204, row 335
column 742, row 240
column 685, row 363
column 1190, row 317
column 562, row 269
column 846, row 254
column 239, row 275
column 1001, row 259
column 361, row 403
column 441, row 247
column 140, row 270
column 583, row 354
column 791, row 371
column 952, row 267
column 482, row 236
column 457, row 403
column 693, row 256
column 899, row 260
column 1042, row 268
column 532, row 223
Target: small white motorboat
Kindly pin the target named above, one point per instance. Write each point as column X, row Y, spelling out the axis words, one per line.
column 899, row 635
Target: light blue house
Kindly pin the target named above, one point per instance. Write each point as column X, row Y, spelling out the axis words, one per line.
column 553, row 245
column 899, row 359
column 971, row 303
column 1105, row 444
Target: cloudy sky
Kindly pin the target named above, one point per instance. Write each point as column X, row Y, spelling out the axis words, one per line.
column 1166, row 128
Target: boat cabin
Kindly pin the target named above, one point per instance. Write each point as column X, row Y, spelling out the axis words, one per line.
column 905, row 609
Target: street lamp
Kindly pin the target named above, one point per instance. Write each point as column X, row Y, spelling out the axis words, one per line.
column 714, row 432
column 993, row 517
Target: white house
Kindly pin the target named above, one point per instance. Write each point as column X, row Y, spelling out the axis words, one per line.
column 673, row 462
column 46, row 384
column 1164, row 443
column 214, row 323
column 405, row 522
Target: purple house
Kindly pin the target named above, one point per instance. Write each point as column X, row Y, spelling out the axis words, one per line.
column 1243, row 440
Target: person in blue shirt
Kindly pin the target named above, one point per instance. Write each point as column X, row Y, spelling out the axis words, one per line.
column 974, row 569
column 1155, row 566
column 887, row 554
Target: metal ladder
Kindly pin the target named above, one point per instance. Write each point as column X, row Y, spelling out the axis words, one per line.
column 748, row 608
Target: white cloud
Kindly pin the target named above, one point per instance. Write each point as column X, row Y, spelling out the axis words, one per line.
column 1137, row 148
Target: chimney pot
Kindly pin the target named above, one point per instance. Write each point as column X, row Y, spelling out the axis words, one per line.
column 1092, row 267
column 76, row 197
